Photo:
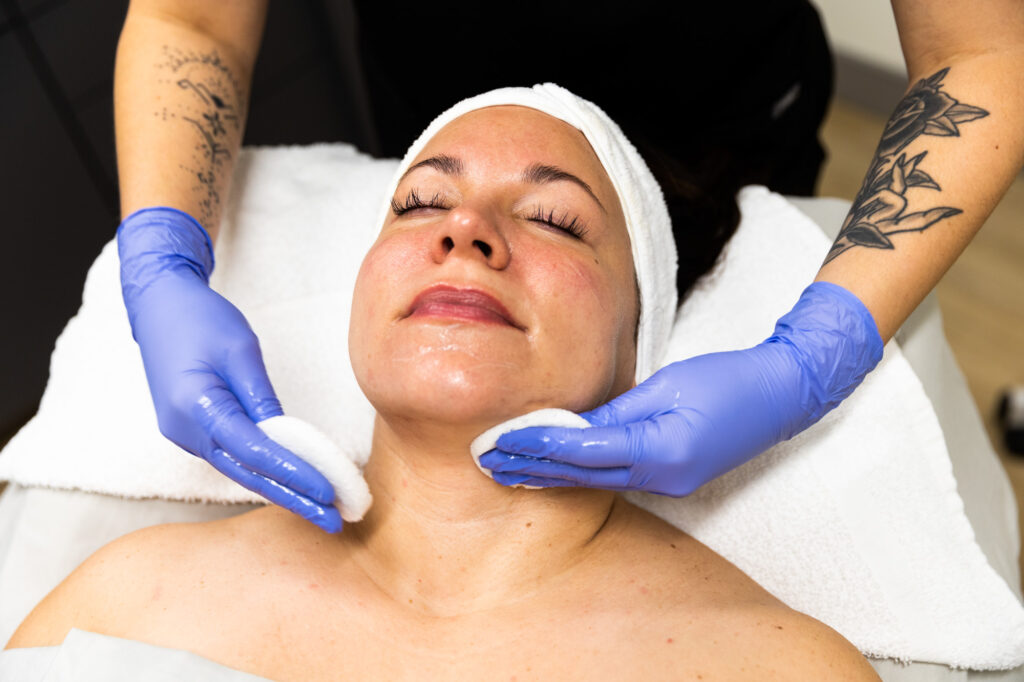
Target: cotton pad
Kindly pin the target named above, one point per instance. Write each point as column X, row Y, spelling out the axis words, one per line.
column 551, row 416
column 352, row 495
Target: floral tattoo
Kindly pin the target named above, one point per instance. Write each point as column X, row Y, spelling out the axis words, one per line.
column 880, row 208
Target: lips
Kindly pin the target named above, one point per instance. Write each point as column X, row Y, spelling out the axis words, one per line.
column 465, row 304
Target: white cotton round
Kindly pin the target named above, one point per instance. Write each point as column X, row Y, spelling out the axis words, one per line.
column 550, row 416
column 352, row 495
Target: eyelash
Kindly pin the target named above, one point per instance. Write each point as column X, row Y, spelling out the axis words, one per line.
column 413, row 201
column 572, row 225
column 568, row 224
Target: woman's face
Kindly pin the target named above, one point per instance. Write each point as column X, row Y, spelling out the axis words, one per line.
column 502, row 280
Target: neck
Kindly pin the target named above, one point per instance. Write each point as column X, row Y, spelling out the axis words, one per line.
column 451, row 540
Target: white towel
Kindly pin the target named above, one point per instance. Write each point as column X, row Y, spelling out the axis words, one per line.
column 855, row 522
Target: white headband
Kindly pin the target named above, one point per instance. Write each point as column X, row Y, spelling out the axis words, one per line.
column 647, row 219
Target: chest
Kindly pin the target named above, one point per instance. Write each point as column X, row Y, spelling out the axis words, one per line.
column 543, row 642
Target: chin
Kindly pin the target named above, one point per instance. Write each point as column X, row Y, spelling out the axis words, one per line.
column 449, row 388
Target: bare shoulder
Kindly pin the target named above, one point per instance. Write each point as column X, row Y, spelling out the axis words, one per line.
column 127, row 584
column 812, row 650
column 704, row 601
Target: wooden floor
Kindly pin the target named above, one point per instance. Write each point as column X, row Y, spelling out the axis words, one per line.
column 982, row 295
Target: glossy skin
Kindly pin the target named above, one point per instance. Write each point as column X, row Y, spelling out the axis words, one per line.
column 573, row 300
column 451, row 576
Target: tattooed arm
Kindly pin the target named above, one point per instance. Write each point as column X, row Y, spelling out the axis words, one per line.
column 947, row 155
column 181, row 89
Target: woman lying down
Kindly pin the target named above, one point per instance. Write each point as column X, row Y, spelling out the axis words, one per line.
column 503, row 281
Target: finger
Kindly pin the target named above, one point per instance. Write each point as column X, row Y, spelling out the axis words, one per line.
column 540, row 482
column 597, row 447
column 518, row 479
column 540, row 468
column 246, row 376
column 235, row 433
column 325, row 516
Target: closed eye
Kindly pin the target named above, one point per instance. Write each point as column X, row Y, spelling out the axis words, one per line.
column 565, row 222
column 413, row 201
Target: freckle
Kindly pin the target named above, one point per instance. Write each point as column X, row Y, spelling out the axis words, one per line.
column 438, row 556
column 778, row 627
column 529, row 523
column 410, row 601
column 671, row 545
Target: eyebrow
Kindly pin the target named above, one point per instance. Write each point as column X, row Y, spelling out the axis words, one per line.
column 540, row 173
column 449, row 165
column 536, row 174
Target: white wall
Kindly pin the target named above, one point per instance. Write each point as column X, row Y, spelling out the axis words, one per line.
column 864, row 30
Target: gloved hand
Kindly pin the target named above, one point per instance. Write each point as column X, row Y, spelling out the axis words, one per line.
column 694, row 420
column 204, row 366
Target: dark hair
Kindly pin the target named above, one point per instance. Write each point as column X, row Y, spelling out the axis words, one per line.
column 701, row 198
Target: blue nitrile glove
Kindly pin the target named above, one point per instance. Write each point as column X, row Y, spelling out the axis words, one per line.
column 694, row 420
column 204, row 366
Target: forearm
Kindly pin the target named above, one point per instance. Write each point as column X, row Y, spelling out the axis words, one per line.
column 933, row 182
column 180, row 101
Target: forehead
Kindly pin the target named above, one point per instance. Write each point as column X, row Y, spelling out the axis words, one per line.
column 510, row 138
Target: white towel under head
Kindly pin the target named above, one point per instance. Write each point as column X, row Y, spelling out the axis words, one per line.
column 647, row 219
column 856, row 521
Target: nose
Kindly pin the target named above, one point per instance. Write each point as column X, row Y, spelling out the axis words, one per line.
column 467, row 233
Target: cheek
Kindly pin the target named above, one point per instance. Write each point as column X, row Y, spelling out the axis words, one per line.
column 375, row 300
column 581, row 338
